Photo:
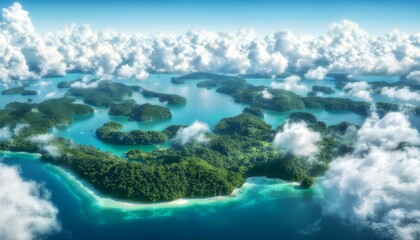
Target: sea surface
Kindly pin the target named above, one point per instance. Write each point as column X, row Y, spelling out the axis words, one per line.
column 261, row 209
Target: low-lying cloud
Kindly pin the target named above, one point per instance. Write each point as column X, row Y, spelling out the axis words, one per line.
column 196, row 132
column 290, row 83
column 378, row 185
column 359, row 90
column 26, row 212
column 298, row 139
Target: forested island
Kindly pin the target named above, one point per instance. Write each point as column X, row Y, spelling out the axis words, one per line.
column 19, row 90
column 236, row 148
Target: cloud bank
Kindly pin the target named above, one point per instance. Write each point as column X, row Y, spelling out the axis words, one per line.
column 297, row 138
column 26, row 212
column 403, row 94
column 378, row 185
column 344, row 47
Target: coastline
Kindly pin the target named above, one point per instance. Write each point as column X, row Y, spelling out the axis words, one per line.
column 254, row 189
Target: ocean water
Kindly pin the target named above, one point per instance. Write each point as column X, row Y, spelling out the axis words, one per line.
column 261, row 209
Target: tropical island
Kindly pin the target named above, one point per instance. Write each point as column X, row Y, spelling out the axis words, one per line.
column 238, row 147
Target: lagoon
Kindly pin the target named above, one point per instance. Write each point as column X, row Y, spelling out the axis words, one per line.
column 261, row 209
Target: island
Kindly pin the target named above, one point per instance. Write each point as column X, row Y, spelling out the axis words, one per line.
column 19, row 90
column 173, row 99
column 322, row 89
column 237, row 147
column 110, row 132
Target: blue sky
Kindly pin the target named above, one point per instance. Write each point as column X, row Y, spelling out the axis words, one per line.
column 150, row 16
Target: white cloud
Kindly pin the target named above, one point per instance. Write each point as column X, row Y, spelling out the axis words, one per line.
column 41, row 139
column 403, row 94
column 43, row 142
column 5, row 133
column 266, row 94
column 360, row 90
column 414, row 76
column 345, row 47
column 26, row 212
column 84, row 84
column 298, row 138
column 50, row 95
column 317, row 73
column 378, row 185
column 195, row 132
column 52, row 150
column 290, row 83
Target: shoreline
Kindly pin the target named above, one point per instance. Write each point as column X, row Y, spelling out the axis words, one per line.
column 83, row 190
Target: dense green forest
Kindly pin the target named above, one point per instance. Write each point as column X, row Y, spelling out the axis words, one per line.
column 239, row 147
column 19, row 90
column 173, row 99
column 110, row 132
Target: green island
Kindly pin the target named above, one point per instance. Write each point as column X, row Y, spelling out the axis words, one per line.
column 238, row 147
column 254, row 111
column 322, row 89
column 203, row 75
column 104, row 94
column 110, row 132
column 19, row 90
column 173, row 99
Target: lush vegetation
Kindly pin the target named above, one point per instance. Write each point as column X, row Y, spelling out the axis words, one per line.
column 173, row 99
column 246, row 125
column 19, row 90
column 111, row 133
column 137, row 112
column 145, row 181
column 322, row 89
column 149, row 112
column 239, row 147
column 42, row 116
column 105, row 94
column 256, row 111
column 37, row 118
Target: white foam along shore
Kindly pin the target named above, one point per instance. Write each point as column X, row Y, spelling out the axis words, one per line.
column 83, row 189
column 265, row 186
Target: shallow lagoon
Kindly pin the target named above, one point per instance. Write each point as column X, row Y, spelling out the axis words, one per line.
column 261, row 209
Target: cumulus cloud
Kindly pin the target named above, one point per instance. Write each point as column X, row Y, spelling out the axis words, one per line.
column 290, row 83
column 316, row 74
column 26, row 212
column 298, row 138
column 196, row 132
column 84, row 84
column 359, row 90
column 378, row 185
column 414, row 77
column 403, row 94
column 43, row 141
column 266, row 94
column 6, row 133
column 344, row 47
column 41, row 138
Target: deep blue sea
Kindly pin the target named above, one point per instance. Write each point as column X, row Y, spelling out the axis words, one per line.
column 261, row 209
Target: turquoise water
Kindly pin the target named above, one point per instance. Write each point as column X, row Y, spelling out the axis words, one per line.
column 261, row 209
